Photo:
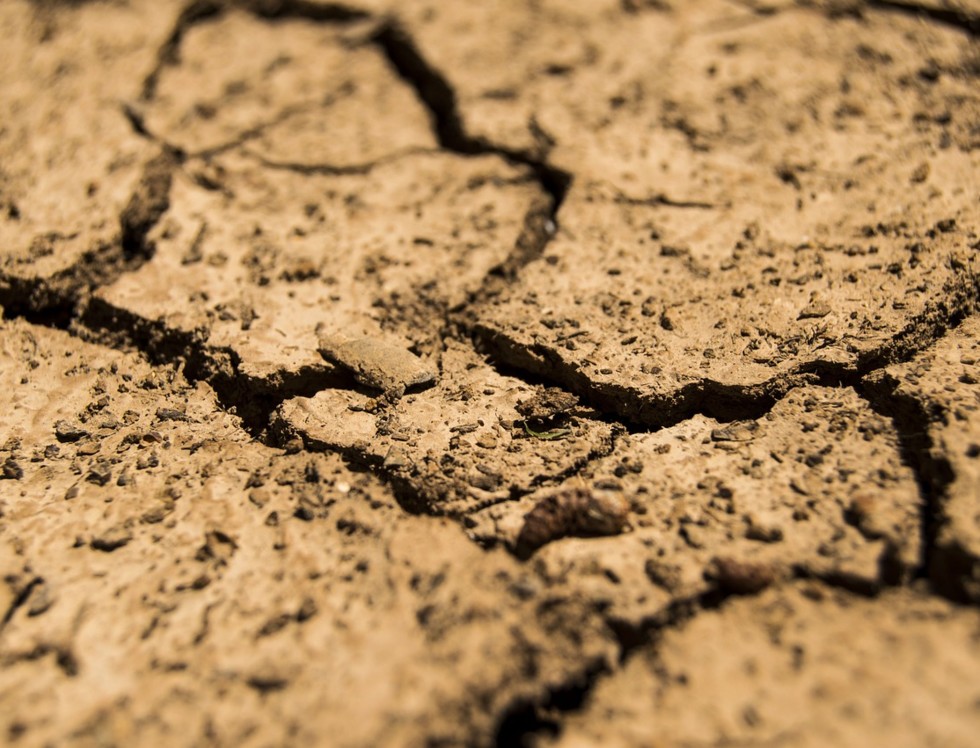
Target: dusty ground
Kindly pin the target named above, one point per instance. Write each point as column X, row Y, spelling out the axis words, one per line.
column 515, row 373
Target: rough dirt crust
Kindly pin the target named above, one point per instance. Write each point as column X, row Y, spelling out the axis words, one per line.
column 501, row 373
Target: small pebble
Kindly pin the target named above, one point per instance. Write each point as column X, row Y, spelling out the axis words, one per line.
column 68, row 432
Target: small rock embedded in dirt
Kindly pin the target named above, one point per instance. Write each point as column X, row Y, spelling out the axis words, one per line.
column 171, row 414
column 395, row 458
column 920, row 173
column 763, row 528
column 100, row 473
column 815, row 310
column 741, row 577
column 736, row 432
column 68, row 432
column 378, row 364
column 40, row 601
column 572, row 512
column 11, row 470
column 88, row 448
column 111, row 539
column 265, row 682
column 547, row 404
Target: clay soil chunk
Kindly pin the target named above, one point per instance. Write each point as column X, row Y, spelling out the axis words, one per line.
column 251, row 268
column 745, row 216
column 314, row 95
column 71, row 163
column 678, row 318
column 938, row 394
column 205, row 563
column 378, row 364
column 816, row 487
column 798, row 666
column 456, row 447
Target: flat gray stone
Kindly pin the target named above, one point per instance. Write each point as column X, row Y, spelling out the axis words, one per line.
column 378, row 364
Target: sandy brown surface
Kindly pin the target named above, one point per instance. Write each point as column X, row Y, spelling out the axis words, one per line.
column 507, row 373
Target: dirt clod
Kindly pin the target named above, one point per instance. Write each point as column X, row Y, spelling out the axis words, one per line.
column 572, row 512
column 378, row 364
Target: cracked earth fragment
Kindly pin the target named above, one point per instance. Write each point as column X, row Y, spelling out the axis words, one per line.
column 796, row 666
column 292, row 91
column 816, row 488
column 125, row 551
column 378, row 364
column 256, row 264
column 454, row 448
column 62, row 191
column 937, row 396
column 741, row 242
column 655, row 334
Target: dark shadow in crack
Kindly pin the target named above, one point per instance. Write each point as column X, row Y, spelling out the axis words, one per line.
column 439, row 97
column 54, row 301
column 641, row 411
column 529, row 720
column 169, row 53
column 912, row 419
column 955, row 17
column 253, row 400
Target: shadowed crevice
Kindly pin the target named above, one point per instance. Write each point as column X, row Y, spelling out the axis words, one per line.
column 20, row 599
column 948, row 16
column 308, row 10
column 528, row 721
column 53, row 301
column 439, row 97
column 430, row 86
column 643, row 411
column 168, row 55
column 250, row 398
column 146, row 206
column 946, row 567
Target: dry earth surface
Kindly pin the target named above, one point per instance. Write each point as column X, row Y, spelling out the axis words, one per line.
column 502, row 373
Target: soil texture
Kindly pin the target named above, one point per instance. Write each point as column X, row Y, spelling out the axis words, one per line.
column 519, row 373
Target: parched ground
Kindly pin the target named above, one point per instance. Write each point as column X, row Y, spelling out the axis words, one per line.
column 508, row 373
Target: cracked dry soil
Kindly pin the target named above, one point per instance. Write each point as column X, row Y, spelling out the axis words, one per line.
column 505, row 373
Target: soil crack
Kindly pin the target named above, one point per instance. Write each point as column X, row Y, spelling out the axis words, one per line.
column 955, row 17
column 337, row 170
column 642, row 412
column 19, row 601
column 168, row 55
column 912, row 418
column 54, row 301
column 529, row 720
column 253, row 400
column 439, row 97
